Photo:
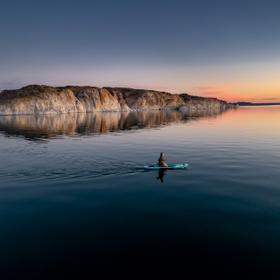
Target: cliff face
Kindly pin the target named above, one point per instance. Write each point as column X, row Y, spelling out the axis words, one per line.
column 35, row 99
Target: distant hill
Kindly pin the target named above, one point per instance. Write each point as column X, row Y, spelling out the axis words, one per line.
column 257, row 104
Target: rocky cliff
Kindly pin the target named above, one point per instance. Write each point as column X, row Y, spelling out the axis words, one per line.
column 36, row 99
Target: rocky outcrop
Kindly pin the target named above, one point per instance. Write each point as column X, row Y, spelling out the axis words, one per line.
column 36, row 99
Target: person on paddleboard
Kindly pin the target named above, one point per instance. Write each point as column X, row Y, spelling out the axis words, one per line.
column 161, row 160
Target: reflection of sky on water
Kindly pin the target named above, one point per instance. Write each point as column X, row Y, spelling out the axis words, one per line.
column 90, row 197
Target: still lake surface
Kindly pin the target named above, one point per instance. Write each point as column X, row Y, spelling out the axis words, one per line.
column 75, row 200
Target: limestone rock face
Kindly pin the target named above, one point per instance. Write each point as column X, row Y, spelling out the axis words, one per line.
column 36, row 99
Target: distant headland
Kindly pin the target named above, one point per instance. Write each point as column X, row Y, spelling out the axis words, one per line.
column 258, row 104
column 41, row 99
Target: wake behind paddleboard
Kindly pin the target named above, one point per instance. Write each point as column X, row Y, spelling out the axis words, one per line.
column 170, row 166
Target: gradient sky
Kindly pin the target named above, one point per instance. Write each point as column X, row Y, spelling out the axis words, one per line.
column 226, row 49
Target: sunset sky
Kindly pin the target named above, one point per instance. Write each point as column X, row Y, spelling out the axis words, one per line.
column 225, row 49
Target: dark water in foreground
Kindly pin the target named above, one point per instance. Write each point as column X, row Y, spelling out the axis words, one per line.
column 74, row 200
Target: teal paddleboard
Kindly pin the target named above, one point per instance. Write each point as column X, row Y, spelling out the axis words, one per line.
column 170, row 166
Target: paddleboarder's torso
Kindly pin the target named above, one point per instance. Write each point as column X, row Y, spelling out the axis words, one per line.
column 161, row 161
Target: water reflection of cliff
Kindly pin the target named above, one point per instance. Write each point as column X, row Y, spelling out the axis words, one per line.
column 48, row 126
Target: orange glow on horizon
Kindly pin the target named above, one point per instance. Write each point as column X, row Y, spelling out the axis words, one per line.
column 267, row 95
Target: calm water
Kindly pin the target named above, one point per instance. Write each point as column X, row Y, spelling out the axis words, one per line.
column 74, row 199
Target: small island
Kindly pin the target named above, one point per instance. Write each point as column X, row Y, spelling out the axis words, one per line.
column 41, row 99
